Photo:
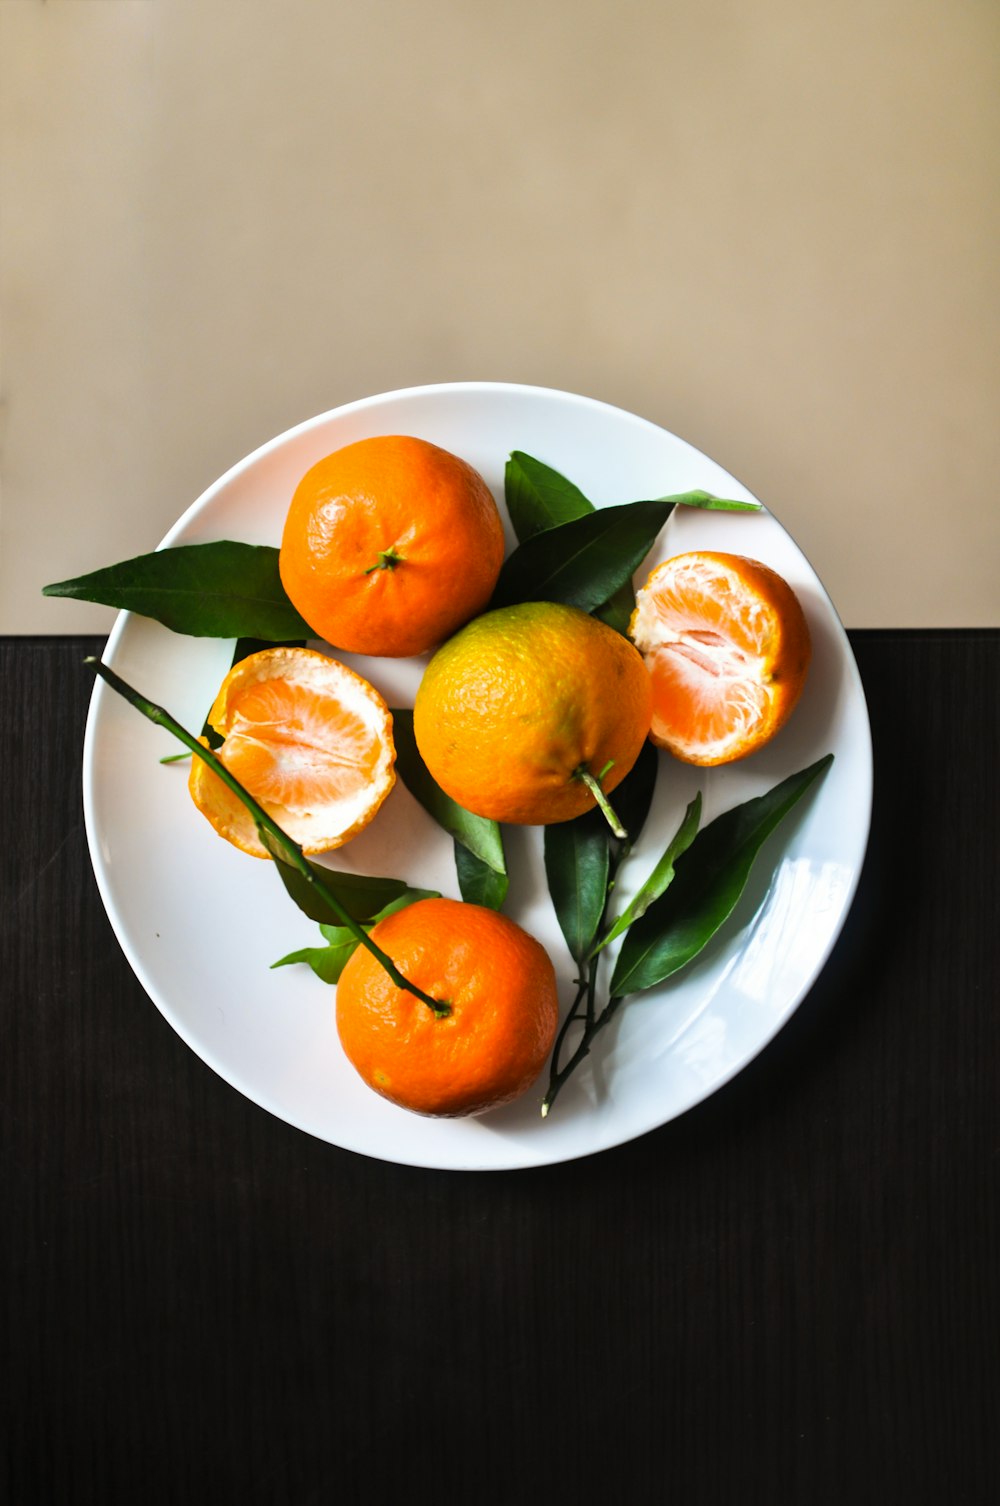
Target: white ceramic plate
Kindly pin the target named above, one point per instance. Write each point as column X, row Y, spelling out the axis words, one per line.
column 201, row 923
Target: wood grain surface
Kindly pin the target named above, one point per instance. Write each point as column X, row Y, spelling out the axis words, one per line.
column 788, row 1295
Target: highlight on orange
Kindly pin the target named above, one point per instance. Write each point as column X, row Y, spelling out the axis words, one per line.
column 515, row 710
column 389, row 545
column 499, row 985
column 309, row 739
column 727, row 645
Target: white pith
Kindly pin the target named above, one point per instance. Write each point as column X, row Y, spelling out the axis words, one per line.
column 713, row 668
column 338, row 818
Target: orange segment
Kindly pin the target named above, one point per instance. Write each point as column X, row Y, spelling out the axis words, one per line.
column 311, row 741
column 727, row 646
column 294, row 745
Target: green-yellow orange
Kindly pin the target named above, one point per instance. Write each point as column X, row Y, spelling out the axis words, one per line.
column 519, row 707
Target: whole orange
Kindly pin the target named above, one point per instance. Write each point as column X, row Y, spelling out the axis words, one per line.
column 389, row 545
column 501, row 989
column 728, row 648
column 514, row 709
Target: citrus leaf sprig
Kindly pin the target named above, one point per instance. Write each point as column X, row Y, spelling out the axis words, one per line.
column 570, row 552
column 316, row 891
column 582, row 860
column 700, row 879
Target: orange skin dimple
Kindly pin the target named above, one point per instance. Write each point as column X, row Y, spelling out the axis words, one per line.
column 728, row 649
column 389, row 545
column 500, row 985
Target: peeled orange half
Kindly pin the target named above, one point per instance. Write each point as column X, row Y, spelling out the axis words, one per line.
column 727, row 646
column 309, row 739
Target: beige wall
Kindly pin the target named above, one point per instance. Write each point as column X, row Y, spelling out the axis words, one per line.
column 769, row 225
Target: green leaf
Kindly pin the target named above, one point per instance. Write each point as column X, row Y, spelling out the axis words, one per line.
column 340, row 935
column 583, row 562
column 219, row 590
column 617, row 612
column 478, row 883
column 479, row 836
column 361, row 896
column 327, row 962
column 247, row 646
column 538, row 497
column 401, row 902
column 577, row 859
column 659, row 880
column 709, row 880
column 711, row 503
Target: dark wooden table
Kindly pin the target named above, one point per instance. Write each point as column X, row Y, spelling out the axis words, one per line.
column 788, row 1295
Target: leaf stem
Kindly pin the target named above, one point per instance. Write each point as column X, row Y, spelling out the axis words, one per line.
column 593, row 1022
column 591, row 991
column 270, row 832
column 594, row 786
column 582, row 984
column 591, row 1029
column 388, row 559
